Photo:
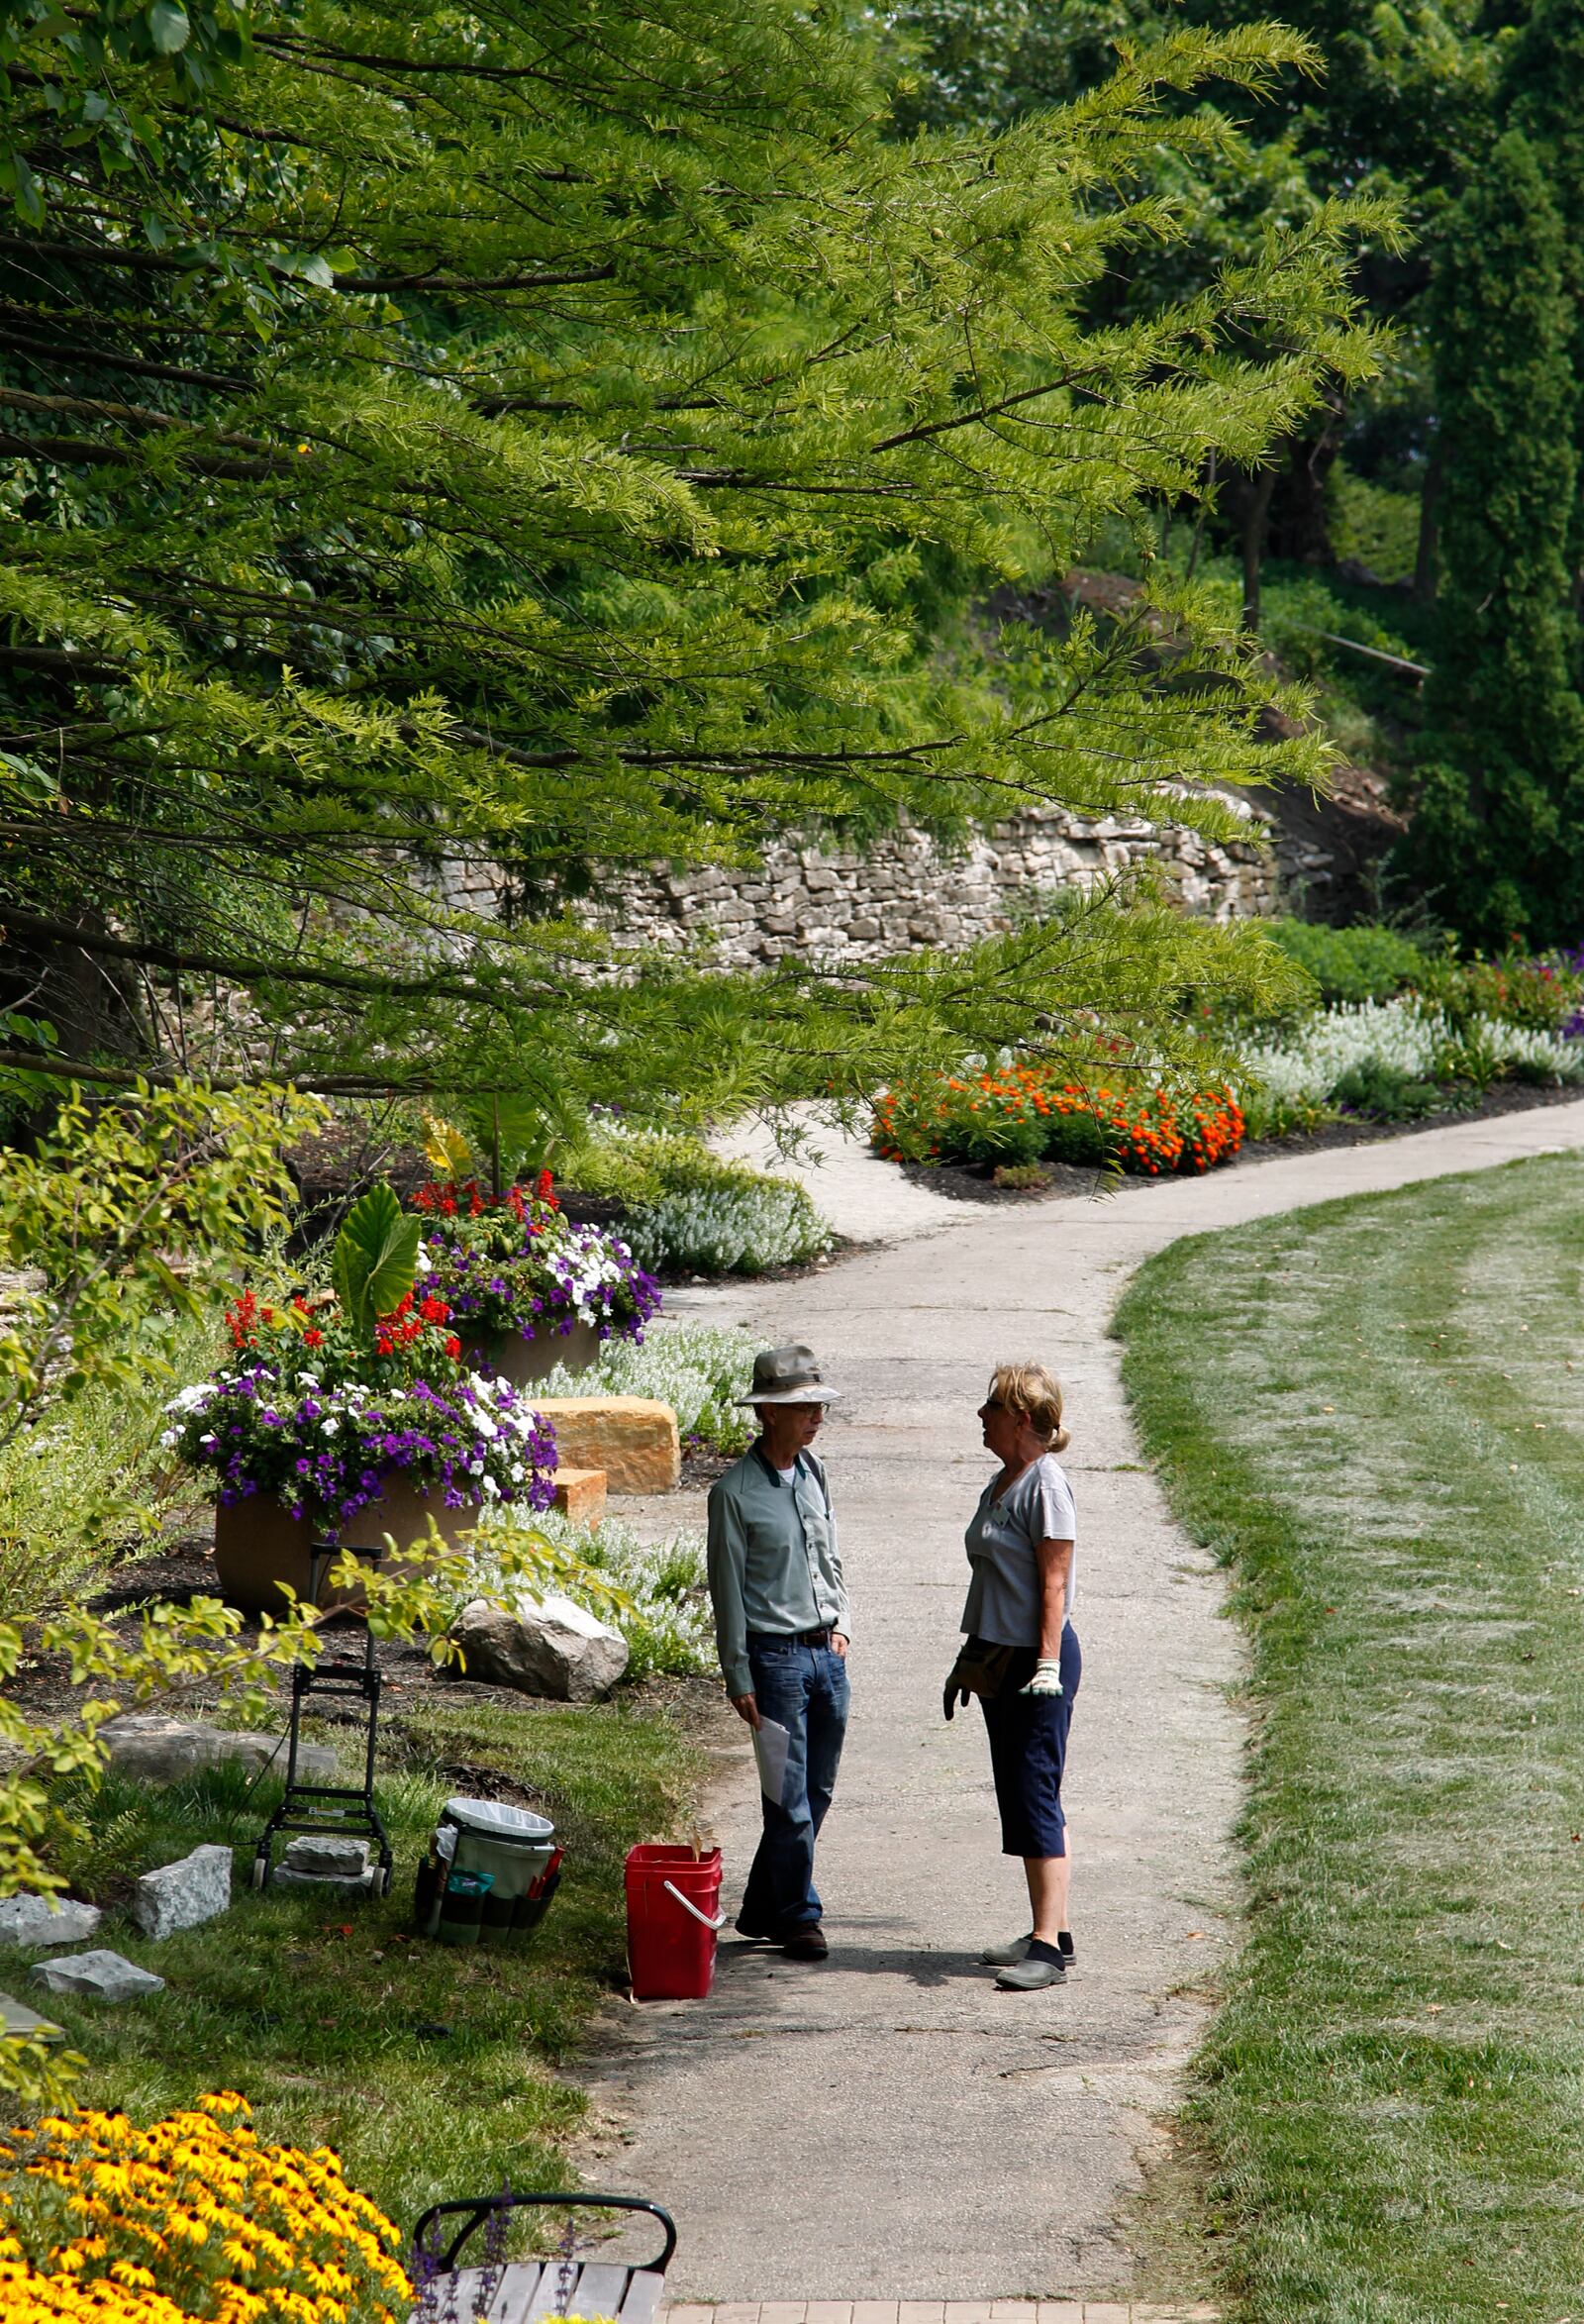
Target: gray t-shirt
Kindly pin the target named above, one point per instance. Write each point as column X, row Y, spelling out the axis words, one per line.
column 1003, row 1595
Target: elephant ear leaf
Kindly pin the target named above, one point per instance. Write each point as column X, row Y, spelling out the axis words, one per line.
column 375, row 1262
column 445, row 1147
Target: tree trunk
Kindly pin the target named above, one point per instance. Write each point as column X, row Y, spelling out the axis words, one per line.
column 1428, row 503
column 1299, row 523
column 1252, row 543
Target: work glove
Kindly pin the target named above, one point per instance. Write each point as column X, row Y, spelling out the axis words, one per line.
column 954, row 1694
column 1047, row 1678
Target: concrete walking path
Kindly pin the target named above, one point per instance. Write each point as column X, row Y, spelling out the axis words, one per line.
column 887, row 2127
column 937, row 2313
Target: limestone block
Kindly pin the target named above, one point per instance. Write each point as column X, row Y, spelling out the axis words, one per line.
column 161, row 1750
column 633, row 1439
column 351, row 1886
column 30, row 1919
column 18, row 2023
column 580, row 1494
column 330, row 1854
column 107, row 1977
column 185, row 1895
column 550, row 1646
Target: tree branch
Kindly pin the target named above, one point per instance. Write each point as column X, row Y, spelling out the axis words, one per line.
column 433, row 280
column 989, row 411
column 59, row 1068
column 45, row 930
column 61, row 662
column 34, row 348
column 90, row 253
column 83, row 452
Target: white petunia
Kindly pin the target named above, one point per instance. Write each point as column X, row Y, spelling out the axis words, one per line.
column 191, row 1400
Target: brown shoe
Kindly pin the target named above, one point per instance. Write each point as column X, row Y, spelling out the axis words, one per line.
column 807, row 1945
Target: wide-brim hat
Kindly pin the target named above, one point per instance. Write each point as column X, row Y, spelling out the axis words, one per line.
column 787, row 1376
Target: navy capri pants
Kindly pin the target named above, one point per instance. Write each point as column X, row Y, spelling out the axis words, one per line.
column 1028, row 1751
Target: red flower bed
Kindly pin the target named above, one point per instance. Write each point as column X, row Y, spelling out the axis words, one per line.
column 1024, row 1113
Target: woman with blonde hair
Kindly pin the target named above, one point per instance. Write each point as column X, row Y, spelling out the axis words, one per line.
column 1022, row 1654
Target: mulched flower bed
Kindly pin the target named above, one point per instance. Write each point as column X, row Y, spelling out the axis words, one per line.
column 976, row 1184
column 42, row 1687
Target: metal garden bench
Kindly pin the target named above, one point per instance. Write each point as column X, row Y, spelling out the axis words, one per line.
column 525, row 2291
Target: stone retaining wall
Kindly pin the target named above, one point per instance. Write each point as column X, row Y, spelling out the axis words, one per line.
column 904, row 893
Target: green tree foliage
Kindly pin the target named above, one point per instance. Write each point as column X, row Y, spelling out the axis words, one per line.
column 1542, row 76
column 96, row 1218
column 188, row 48
column 567, row 439
column 1501, row 808
column 996, row 61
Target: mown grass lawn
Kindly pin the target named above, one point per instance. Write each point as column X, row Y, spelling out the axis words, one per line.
column 1374, row 1413
column 432, row 2071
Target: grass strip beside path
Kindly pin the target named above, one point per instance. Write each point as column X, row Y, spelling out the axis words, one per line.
column 431, row 2069
column 1373, row 1414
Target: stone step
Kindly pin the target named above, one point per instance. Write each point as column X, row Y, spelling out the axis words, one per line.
column 580, row 1494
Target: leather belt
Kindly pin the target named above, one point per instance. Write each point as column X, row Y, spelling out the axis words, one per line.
column 791, row 1636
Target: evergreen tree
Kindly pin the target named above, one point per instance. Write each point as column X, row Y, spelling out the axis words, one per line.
column 1541, row 86
column 568, row 438
column 1498, row 831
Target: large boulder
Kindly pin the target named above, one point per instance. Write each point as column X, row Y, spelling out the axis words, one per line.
column 44, row 1921
column 633, row 1439
column 107, row 1977
column 548, row 1647
column 161, row 1750
column 184, row 1895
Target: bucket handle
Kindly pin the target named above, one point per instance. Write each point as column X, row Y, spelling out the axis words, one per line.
column 688, row 1905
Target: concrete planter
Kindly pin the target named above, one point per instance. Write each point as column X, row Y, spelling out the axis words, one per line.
column 258, row 1544
column 524, row 1361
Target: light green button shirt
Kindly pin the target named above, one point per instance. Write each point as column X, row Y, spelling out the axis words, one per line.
column 773, row 1561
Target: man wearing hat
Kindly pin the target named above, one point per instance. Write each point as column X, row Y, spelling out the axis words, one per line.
column 781, row 1629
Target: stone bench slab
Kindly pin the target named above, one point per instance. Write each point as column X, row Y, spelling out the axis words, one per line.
column 633, row 1439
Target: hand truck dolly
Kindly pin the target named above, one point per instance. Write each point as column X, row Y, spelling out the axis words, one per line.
column 339, row 1809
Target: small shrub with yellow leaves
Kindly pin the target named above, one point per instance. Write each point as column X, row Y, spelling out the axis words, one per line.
column 104, row 2223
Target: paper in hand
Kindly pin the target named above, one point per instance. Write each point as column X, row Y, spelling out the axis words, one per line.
column 771, row 1744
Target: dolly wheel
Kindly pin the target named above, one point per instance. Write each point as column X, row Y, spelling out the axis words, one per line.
column 260, row 1871
column 381, row 1880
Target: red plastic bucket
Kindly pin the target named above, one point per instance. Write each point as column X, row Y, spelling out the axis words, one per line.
column 673, row 1910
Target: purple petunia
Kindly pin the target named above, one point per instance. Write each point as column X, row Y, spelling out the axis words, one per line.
column 327, row 1456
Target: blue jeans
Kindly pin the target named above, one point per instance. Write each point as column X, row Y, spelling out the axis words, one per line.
column 804, row 1688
